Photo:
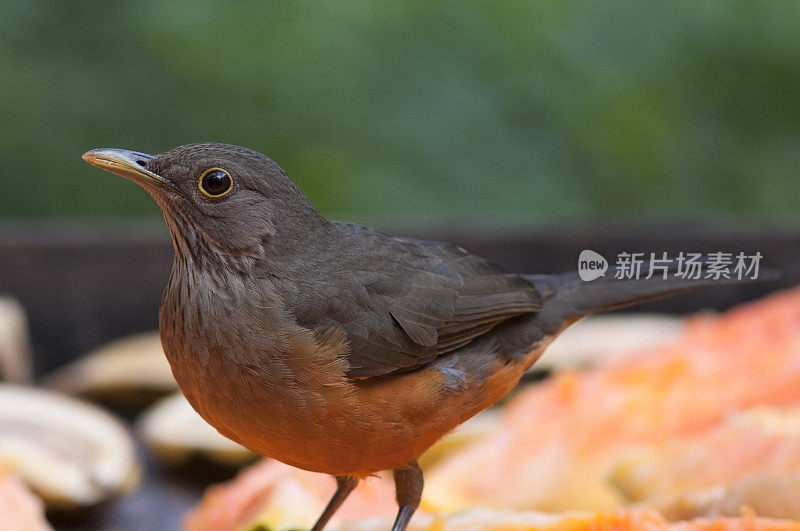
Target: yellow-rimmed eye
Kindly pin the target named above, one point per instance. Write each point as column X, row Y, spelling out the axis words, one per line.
column 215, row 182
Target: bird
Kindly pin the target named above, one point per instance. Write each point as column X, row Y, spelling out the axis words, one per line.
column 331, row 346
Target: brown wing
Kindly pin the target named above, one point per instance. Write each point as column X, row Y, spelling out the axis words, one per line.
column 403, row 302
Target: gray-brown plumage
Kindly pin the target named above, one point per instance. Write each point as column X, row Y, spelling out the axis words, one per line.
column 330, row 346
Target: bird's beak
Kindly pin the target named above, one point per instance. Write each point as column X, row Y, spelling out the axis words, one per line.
column 129, row 164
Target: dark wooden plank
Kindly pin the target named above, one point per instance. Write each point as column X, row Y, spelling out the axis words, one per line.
column 83, row 285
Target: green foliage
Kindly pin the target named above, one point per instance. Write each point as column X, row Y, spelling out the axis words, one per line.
column 514, row 111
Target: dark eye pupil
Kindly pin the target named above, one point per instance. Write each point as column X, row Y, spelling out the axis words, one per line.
column 216, row 182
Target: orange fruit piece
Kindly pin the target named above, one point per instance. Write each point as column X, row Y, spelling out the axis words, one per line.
column 559, row 439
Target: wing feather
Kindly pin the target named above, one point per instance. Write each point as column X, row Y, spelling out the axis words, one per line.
column 403, row 302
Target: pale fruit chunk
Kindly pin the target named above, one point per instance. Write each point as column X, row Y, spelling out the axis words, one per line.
column 605, row 338
column 70, row 453
column 751, row 460
column 132, row 371
column 15, row 350
column 176, row 433
column 772, row 495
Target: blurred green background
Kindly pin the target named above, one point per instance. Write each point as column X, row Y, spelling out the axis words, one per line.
column 511, row 112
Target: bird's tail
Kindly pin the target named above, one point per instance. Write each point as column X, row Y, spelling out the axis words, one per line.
column 567, row 298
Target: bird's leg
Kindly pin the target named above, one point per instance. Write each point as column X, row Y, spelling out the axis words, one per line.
column 408, row 491
column 345, row 485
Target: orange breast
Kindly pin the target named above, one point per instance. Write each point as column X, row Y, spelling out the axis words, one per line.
column 302, row 410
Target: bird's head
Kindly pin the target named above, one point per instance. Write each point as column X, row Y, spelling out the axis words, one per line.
column 217, row 197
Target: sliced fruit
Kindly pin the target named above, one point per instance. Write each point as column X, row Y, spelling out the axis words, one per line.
column 70, row 453
column 772, row 495
column 754, row 441
column 622, row 520
column 560, row 438
column 276, row 497
column 20, row 510
column 603, row 338
column 176, row 433
column 15, row 351
column 272, row 495
column 752, row 459
column 130, row 372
